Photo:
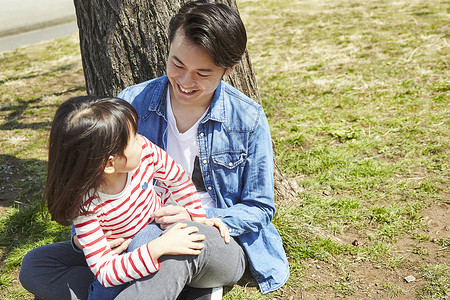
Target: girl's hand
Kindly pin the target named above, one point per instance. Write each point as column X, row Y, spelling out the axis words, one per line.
column 224, row 231
column 179, row 239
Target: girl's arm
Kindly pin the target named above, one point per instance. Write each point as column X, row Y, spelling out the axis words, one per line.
column 112, row 269
column 182, row 189
column 172, row 175
column 118, row 245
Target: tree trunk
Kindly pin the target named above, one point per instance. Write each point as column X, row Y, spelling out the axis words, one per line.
column 124, row 42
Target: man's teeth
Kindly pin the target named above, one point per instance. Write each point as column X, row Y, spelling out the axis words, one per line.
column 186, row 91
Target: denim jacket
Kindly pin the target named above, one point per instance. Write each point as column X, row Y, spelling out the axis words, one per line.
column 236, row 161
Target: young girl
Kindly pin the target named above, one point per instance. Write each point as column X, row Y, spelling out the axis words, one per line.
column 100, row 177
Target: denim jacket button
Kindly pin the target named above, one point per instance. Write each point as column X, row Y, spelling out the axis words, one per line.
column 230, row 164
column 209, row 187
column 202, row 134
column 205, row 161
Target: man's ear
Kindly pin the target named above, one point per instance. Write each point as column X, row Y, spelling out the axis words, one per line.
column 229, row 70
column 109, row 169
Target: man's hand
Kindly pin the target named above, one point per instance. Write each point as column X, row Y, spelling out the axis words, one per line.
column 117, row 245
column 216, row 222
column 170, row 214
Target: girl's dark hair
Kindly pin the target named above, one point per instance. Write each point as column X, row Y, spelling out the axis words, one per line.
column 214, row 26
column 85, row 132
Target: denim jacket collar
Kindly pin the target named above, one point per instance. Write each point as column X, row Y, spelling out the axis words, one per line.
column 217, row 108
column 158, row 101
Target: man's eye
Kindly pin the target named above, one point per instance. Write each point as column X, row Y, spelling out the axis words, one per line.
column 202, row 75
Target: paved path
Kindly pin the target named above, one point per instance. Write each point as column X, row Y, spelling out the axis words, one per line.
column 36, row 36
column 25, row 22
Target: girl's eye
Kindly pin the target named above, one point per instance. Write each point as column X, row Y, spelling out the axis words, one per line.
column 177, row 66
column 202, row 75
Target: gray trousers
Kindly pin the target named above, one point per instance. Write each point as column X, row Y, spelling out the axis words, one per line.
column 57, row 271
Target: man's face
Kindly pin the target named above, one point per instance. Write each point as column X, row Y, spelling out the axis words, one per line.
column 192, row 74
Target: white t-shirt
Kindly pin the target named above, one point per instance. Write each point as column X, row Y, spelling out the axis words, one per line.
column 183, row 148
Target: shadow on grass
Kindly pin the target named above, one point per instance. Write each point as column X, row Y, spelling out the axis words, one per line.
column 59, row 69
column 21, row 180
column 23, row 225
column 18, row 108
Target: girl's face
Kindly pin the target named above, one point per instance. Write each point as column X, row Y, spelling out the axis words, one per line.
column 192, row 73
column 131, row 155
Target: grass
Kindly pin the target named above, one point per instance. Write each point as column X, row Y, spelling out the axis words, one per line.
column 357, row 95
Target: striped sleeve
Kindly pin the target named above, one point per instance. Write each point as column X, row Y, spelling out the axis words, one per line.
column 172, row 175
column 110, row 268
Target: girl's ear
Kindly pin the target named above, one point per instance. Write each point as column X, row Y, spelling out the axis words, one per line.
column 229, row 70
column 109, row 169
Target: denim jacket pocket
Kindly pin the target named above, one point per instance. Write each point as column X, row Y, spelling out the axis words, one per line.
column 228, row 166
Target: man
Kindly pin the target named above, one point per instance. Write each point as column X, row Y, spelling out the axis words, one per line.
column 219, row 135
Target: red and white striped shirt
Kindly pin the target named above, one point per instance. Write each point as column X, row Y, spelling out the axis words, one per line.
column 128, row 212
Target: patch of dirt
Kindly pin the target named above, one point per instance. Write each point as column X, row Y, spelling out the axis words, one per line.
column 437, row 219
column 352, row 277
column 357, row 280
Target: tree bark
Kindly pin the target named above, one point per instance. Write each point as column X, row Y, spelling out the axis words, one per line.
column 124, row 42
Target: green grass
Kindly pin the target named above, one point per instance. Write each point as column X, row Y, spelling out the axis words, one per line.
column 438, row 282
column 34, row 81
column 357, row 94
